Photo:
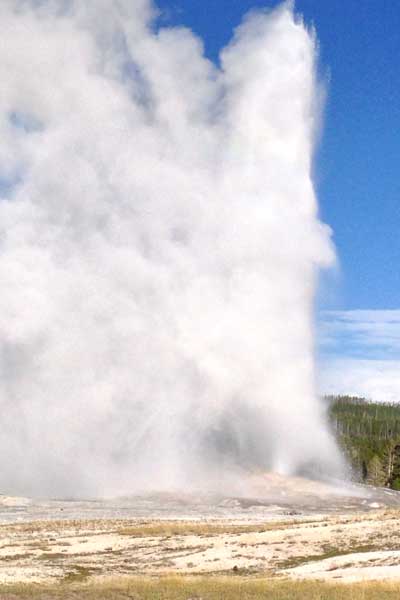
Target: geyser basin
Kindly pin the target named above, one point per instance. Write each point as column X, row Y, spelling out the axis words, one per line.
column 159, row 249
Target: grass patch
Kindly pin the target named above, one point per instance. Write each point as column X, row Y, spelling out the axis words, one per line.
column 12, row 557
column 185, row 588
column 77, row 574
column 56, row 526
column 144, row 528
column 51, row 556
column 328, row 552
column 186, row 528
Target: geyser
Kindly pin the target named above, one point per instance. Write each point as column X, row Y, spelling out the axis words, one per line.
column 159, row 249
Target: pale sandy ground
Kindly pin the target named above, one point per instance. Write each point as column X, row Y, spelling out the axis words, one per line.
column 297, row 529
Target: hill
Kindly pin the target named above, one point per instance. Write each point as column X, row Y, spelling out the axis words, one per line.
column 369, row 435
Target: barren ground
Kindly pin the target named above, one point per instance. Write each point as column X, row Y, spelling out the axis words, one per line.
column 289, row 529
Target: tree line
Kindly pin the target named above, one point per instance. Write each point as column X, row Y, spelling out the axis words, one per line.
column 369, row 436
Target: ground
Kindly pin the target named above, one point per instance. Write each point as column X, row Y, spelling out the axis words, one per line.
column 290, row 531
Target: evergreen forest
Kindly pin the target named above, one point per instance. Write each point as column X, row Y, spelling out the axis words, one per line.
column 369, row 436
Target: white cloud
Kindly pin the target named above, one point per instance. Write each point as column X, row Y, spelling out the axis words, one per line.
column 361, row 353
column 373, row 379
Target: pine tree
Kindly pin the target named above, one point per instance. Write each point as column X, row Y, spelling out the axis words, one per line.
column 395, row 474
column 376, row 472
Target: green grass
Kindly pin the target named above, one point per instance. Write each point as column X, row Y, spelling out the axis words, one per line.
column 185, row 588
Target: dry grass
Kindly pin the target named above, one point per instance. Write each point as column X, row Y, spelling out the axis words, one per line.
column 51, row 525
column 328, row 551
column 186, row 528
column 148, row 528
column 137, row 528
column 185, row 588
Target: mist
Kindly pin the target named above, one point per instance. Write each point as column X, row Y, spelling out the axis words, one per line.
column 159, row 251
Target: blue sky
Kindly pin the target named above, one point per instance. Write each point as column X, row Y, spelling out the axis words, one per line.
column 357, row 174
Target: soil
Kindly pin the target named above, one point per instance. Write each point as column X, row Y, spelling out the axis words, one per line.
column 285, row 527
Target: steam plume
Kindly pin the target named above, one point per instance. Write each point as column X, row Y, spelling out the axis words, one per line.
column 159, row 248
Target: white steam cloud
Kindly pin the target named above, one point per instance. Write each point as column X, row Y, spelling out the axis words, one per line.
column 159, row 248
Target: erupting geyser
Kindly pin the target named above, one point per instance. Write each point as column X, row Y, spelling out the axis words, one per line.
column 159, row 248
